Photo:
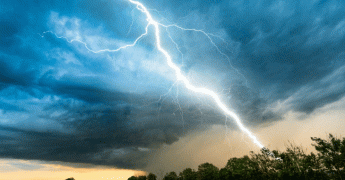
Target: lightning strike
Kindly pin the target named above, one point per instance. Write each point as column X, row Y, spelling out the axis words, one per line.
column 182, row 78
column 176, row 69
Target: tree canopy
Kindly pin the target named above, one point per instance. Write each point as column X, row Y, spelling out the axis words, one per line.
column 327, row 163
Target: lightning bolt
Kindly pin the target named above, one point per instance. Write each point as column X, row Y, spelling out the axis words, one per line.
column 177, row 70
column 182, row 78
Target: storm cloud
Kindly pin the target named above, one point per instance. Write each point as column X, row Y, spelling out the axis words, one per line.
column 61, row 102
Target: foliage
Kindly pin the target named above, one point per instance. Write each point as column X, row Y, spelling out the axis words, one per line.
column 332, row 155
column 295, row 164
column 207, row 171
column 188, row 174
column 170, row 176
column 142, row 178
column 151, row 177
column 133, row 178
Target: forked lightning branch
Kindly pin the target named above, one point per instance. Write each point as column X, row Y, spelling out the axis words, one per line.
column 177, row 70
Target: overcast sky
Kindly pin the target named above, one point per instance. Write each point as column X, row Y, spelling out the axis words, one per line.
column 59, row 101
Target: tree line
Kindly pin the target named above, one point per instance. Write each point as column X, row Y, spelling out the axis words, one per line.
column 327, row 163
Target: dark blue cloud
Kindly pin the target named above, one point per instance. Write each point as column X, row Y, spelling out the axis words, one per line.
column 9, row 107
column 286, row 45
column 68, row 104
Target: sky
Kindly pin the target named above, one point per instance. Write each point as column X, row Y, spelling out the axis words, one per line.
column 279, row 65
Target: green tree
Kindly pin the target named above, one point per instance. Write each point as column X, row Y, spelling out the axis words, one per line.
column 142, row 178
column 295, row 164
column 288, row 168
column 314, row 167
column 133, row 178
column 244, row 168
column 264, row 164
column 225, row 174
column 262, row 167
column 188, row 174
column 207, row 171
column 170, row 176
column 332, row 153
column 151, row 177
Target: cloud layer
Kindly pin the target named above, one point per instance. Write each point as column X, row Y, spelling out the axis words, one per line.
column 61, row 102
